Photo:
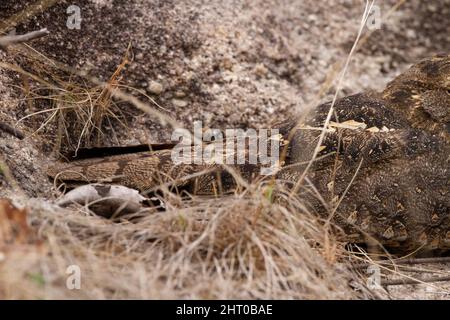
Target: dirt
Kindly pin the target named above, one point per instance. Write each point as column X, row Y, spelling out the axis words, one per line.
column 239, row 63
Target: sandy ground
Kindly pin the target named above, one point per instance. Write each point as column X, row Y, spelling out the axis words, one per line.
column 228, row 63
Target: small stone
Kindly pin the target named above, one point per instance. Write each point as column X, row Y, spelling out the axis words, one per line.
column 180, row 94
column 410, row 33
column 312, row 17
column 139, row 56
column 155, row 87
column 261, row 70
column 105, row 200
column 179, row 103
column 227, row 64
column 432, row 8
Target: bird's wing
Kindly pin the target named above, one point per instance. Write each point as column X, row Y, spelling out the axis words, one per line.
column 149, row 170
column 142, row 171
column 366, row 108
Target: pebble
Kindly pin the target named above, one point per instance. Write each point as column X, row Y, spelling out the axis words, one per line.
column 261, row 70
column 155, row 87
column 179, row 103
column 139, row 56
column 180, row 94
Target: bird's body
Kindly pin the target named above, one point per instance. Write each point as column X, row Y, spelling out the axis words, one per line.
column 382, row 171
column 387, row 180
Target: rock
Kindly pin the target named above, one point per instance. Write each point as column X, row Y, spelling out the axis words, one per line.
column 139, row 56
column 179, row 103
column 180, row 94
column 105, row 200
column 155, row 88
column 261, row 70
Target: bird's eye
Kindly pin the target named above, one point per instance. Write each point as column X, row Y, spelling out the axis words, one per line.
column 448, row 91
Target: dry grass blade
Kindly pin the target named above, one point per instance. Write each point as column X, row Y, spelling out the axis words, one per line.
column 365, row 16
column 211, row 249
column 411, row 261
column 414, row 281
column 401, row 273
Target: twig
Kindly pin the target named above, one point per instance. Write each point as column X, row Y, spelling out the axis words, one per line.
column 11, row 130
column 11, row 40
column 421, row 270
column 407, row 261
column 413, row 281
column 425, row 260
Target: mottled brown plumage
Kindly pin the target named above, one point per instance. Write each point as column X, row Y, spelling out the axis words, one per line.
column 382, row 172
column 401, row 192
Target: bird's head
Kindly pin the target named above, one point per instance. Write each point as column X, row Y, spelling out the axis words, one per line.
column 422, row 93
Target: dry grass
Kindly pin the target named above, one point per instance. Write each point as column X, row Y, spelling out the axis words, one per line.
column 78, row 111
column 74, row 108
column 233, row 248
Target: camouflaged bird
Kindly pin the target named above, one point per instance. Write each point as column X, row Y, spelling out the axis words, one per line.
column 382, row 172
